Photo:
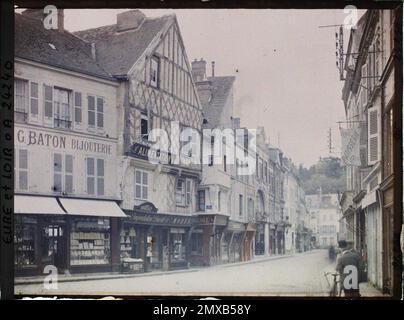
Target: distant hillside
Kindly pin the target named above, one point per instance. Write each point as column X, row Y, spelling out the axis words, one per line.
column 327, row 173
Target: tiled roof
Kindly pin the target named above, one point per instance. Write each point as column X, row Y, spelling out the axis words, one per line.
column 59, row 49
column 221, row 87
column 118, row 52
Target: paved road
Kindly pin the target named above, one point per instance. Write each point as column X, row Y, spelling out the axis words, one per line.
column 297, row 275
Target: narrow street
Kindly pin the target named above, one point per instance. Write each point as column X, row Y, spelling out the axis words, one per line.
column 297, row 275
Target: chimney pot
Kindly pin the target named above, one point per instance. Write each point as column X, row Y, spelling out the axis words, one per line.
column 61, row 20
column 213, row 68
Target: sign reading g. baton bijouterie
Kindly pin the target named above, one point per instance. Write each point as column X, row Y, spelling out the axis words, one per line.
column 43, row 138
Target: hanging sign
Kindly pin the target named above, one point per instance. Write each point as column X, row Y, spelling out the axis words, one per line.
column 350, row 143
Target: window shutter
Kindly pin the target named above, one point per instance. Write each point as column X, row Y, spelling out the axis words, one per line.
column 77, row 107
column 373, row 135
column 57, row 172
column 48, row 101
column 69, row 173
column 34, row 99
column 100, row 112
column 364, row 91
column 90, row 175
column 91, row 110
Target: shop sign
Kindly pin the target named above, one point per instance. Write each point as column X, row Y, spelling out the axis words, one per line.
column 221, row 220
column 147, row 207
column 31, row 137
column 145, row 152
column 203, row 220
column 159, row 219
column 236, row 226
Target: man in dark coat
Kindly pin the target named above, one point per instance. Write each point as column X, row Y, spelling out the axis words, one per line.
column 348, row 260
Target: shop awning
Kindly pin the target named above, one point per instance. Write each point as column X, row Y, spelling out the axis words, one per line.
column 97, row 208
column 36, row 205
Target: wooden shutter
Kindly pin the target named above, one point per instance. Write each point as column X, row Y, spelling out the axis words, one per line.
column 78, row 107
column 34, row 99
column 373, row 135
column 68, row 173
column 48, row 101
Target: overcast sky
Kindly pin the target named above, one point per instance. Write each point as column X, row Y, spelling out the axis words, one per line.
column 287, row 80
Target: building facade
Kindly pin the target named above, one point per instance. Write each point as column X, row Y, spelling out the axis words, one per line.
column 325, row 216
column 226, row 197
column 66, row 153
column 370, row 103
column 158, row 112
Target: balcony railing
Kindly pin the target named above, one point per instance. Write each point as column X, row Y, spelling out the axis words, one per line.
column 20, row 116
column 62, row 123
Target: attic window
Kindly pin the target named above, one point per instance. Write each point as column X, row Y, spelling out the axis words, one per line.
column 52, row 46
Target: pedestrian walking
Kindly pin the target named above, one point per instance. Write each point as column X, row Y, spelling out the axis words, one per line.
column 349, row 258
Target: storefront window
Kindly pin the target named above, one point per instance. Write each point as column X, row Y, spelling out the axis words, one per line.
column 24, row 243
column 90, row 241
column 128, row 242
column 177, row 244
column 196, row 242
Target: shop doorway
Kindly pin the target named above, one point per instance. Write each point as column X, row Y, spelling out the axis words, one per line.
column 53, row 246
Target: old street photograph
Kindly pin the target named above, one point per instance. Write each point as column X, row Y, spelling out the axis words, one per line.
column 207, row 152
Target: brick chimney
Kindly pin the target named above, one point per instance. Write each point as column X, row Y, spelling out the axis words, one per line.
column 199, row 70
column 61, row 20
column 129, row 20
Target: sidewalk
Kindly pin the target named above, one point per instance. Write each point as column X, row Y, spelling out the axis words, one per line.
column 367, row 290
column 117, row 275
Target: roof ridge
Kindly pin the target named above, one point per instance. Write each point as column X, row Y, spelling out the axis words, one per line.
column 169, row 15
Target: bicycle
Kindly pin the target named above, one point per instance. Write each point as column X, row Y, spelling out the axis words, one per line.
column 335, row 290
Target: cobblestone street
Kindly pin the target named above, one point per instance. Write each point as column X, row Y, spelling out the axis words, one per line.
column 300, row 274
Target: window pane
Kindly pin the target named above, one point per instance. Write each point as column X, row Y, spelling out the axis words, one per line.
column 77, row 99
column 145, row 176
column 90, row 166
column 34, row 106
column 48, row 109
column 91, row 103
column 144, row 192
column 138, row 176
column 57, row 182
column 48, row 93
column 100, row 120
column 69, row 163
column 77, row 114
column 138, row 192
column 23, row 180
column 100, row 105
column 90, row 185
column 57, row 159
column 100, row 186
column 23, row 159
column 100, row 167
column 34, row 90
column 91, row 118
column 69, row 184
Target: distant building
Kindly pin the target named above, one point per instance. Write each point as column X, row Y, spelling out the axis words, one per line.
column 324, row 214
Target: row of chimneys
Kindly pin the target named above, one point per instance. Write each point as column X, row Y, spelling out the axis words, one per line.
column 199, row 69
column 127, row 20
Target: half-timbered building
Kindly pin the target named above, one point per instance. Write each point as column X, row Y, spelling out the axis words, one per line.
column 158, row 185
